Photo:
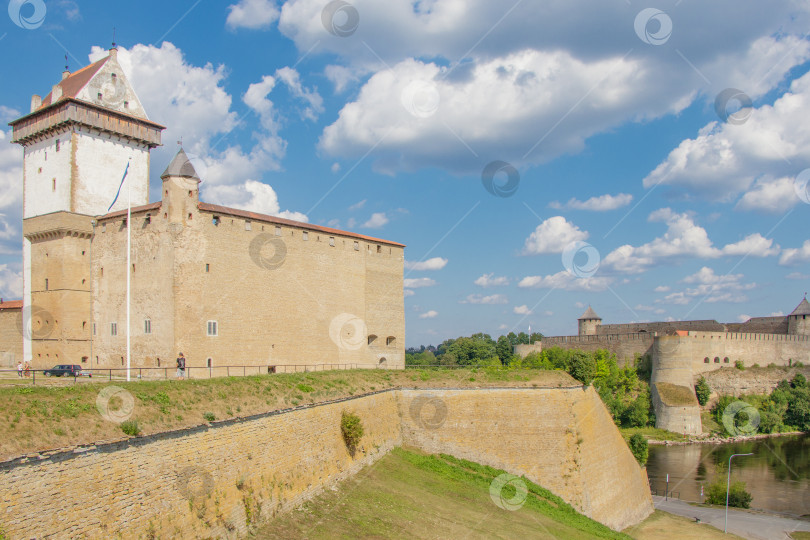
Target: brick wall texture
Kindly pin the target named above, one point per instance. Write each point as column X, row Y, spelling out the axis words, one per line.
column 217, row 481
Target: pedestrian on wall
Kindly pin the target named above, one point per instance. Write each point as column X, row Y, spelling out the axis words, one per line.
column 181, row 366
column 19, row 369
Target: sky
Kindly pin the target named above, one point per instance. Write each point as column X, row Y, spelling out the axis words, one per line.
column 648, row 159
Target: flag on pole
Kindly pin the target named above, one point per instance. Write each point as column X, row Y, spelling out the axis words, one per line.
column 119, row 187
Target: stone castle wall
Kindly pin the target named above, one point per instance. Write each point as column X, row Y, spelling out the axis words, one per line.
column 735, row 382
column 624, row 346
column 213, row 481
column 10, row 338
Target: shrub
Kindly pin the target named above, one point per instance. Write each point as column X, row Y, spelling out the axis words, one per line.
column 640, row 448
column 130, row 427
column 352, row 428
column 583, row 367
column 702, row 391
column 304, row 387
column 799, row 381
column 739, row 365
column 737, row 495
column 209, row 416
column 637, row 414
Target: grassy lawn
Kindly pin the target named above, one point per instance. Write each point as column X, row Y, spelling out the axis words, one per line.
column 675, row 395
column 37, row 418
column 411, row 495
column 661, row 525
column 653, row 433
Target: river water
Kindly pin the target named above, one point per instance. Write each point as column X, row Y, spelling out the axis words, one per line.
column 777, row 475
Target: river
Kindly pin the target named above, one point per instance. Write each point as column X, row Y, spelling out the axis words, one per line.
column 777, row 475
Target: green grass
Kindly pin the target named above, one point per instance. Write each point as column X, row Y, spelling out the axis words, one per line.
column 675, row 395
column 652, row 433
column 411, row 495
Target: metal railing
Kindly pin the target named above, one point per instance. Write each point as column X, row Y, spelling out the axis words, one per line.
column 35, row 376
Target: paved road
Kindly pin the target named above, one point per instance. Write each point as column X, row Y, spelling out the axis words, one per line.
column 754, row 525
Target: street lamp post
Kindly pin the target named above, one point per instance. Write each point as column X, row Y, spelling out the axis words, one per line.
column 728, row 485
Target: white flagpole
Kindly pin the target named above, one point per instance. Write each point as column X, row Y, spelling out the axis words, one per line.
column 129, row 267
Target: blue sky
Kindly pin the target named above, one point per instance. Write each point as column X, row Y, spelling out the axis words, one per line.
column 638, row 184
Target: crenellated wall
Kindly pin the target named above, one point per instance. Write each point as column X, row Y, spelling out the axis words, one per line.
column 218, row 480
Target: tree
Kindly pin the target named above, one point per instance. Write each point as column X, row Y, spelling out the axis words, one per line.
column 503, row 348
column 798, row 408
column 583, row 367
column 638, row 413
column 640, row 448
column 475, row 350
column 702, row 391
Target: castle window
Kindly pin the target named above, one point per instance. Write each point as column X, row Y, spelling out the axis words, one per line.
column 332, row 241
column 248, row 226
column 371, row 339
column 357, row 246
column 46, row 156
column 103, row 227
column 147, row 326
column 148, row 219
column 278, row 231
column 58, row 144
column 305, row 236
column 210, row 362
column 190, row 193
column 94, row 329
column 53, row 184
column 215, row 221
column 46, row 284
column 716, row 359
column 390, row 341
column 158, row 362
column 190, row 216
column 212, row 329
column 39, row 170
column 113, row 76
column 113, row 329
column 100, row 96
column 706, row 360
column 207, row 268
column 84, row 359
column 379, row 249
column 126, row 104
column 725, row 360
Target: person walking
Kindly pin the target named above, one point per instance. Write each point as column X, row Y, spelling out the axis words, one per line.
column 27, row 369
column 181, row 366
column 19, row 369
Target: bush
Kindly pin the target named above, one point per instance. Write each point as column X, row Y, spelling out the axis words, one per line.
column 352, row 428
column 583, row 367
column 640, row 448
column 209, row 416
column 739, row 365
column 702, row 391
column 130, row 427
column 638, row 413
column 737, row 496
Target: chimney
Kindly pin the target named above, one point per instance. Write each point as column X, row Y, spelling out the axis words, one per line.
column 56, row 93
column 36, row 102
column 65, row 74
column 114, row 52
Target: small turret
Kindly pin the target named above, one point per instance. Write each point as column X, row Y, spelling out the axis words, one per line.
column 589, row 322
column 799, row 319
column 180, row 189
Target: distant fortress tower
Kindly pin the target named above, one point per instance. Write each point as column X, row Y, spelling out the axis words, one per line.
column 589, row 322
column 798, row 323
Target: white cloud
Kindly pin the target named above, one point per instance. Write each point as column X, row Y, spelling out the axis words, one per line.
column 436, row 263
column 597, row 204
column 797, row 276
column 252, row 14
column 415, row 283
column 792, row 256
column 335, row 167
column 358, row 205
column 489, row 280
column 429, row 314
column 252, row 196
column 376, row 221
column 757, row 159
column 711, row 288
column 341, row 76
column 522, row 310
column 743, row 318
column 565, row 281
column 11, row 157
column 552, row 236
column 314, row 101
column 479, row 299
column 11, row 285
column 408, row 292
column 662, row 288
column 753, row 245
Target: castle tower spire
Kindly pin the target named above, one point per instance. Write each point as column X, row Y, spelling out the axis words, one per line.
column 799, row 319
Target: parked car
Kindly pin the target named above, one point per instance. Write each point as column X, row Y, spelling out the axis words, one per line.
column 67, row 370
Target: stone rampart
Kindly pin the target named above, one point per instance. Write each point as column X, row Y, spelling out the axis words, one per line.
column 624, row 346
column 217, row 480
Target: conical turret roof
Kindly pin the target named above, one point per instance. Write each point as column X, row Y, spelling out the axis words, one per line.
column 590, row 314
column 803, row 308
column 180, row 166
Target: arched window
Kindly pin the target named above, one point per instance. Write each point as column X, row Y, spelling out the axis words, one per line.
column 383, row 362
column 706, row 360
column 725, row 360
column 210, row 362
column 371, row 339
column 716, row 359
column 390, row 341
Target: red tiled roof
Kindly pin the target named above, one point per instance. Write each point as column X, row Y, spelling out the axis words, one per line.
column 281, row 221
column 11, row 304
column 135, row 209
column 73, row 84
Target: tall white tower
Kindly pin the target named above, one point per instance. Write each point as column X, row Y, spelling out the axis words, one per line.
column 76, row 142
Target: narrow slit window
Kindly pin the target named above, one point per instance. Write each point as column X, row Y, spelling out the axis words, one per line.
column 212, row 329
column 113, row 329
column 147, row 326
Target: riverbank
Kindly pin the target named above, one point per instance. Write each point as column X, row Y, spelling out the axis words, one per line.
column 714, row 439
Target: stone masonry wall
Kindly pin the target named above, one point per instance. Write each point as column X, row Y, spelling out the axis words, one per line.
column 10, row 338
column 213, row 481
